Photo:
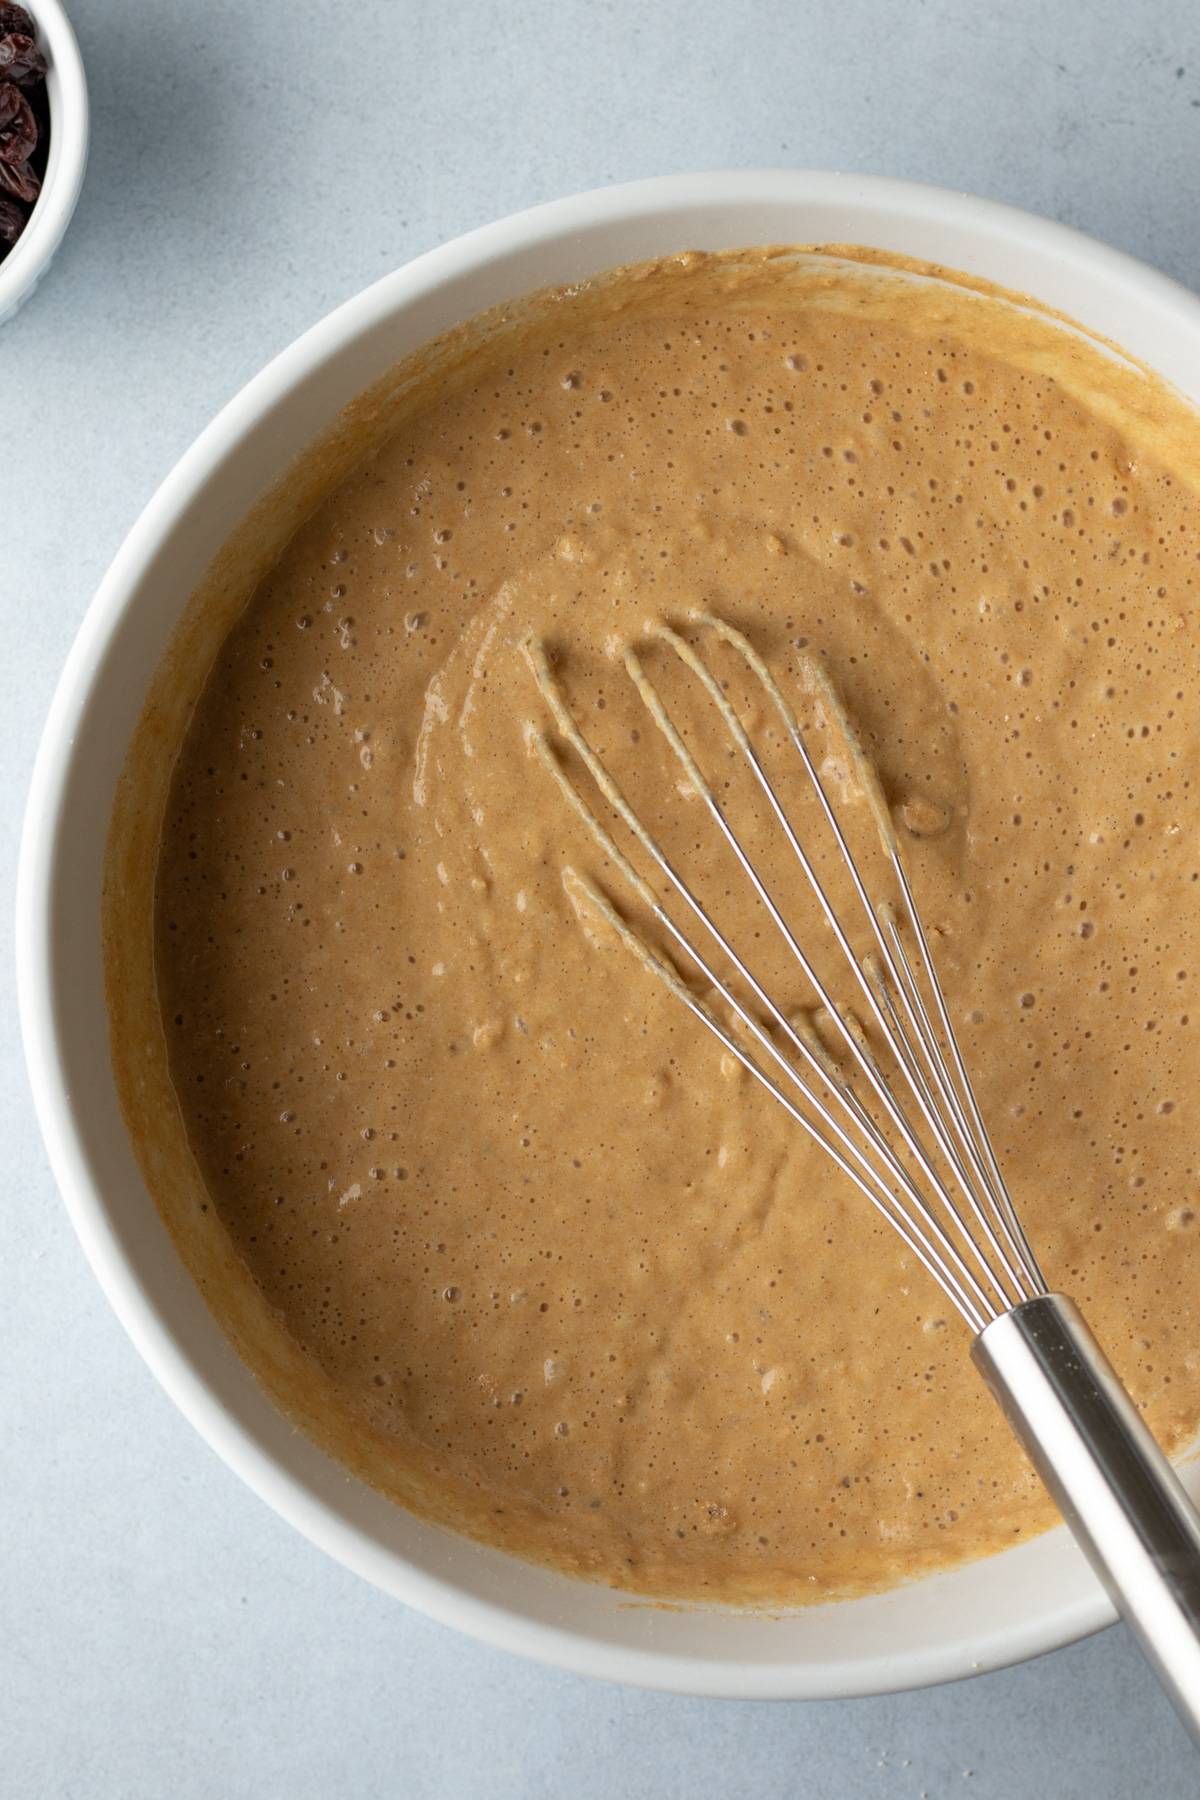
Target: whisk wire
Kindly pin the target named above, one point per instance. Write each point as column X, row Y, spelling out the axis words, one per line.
column 649, row 695
column 913, row 1006
column 980, row 1282
column 820, row 1065
column 966, row 1120
column 977, row 1312
column 976, row 1130
column 920, row 1090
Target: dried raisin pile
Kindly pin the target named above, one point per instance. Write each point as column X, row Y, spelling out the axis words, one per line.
column 24, row 121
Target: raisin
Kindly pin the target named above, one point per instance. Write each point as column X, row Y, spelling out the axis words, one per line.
column 24, row 121
column 19, row 179
column 19, row 134
column 20, row 59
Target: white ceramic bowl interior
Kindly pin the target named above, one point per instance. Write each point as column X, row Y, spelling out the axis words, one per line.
column 66, row 90
column 990, row 1613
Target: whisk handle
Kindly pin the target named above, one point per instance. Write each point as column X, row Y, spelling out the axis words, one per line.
column 1113, row 1485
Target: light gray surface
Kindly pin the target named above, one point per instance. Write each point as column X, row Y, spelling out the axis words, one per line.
column 164, row 1634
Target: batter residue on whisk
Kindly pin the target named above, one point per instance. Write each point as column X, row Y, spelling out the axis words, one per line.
column 537, row 1258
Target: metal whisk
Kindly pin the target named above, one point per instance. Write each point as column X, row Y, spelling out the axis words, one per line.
column 903, row 1126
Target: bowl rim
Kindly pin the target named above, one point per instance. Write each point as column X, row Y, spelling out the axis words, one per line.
column 66, row 164
column 446, row 1601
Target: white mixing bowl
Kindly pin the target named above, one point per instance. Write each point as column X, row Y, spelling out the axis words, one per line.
column 982, row 1616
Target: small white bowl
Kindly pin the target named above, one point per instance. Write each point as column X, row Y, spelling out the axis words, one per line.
column 989, row 1613
column 66, row 92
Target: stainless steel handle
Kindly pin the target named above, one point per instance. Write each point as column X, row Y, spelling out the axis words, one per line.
column 1113, row 1485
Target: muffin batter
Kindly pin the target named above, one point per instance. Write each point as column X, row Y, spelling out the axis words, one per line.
column 566, row 1279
